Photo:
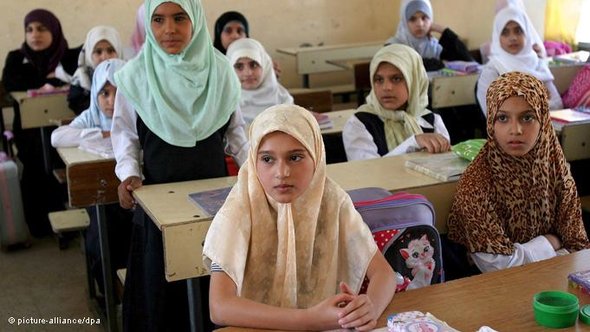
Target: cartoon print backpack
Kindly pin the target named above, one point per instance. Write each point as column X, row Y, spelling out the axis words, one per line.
column 403, row 228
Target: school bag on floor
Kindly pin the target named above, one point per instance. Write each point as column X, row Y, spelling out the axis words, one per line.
column 403, row 228
column 13, row 228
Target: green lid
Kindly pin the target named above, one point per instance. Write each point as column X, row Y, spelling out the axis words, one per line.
column 585, row 314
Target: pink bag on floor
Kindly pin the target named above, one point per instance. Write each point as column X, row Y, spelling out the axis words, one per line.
column 578, row 94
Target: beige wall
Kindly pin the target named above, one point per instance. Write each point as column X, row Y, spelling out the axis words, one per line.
column 276, row 23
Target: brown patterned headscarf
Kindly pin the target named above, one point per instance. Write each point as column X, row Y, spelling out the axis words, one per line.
column 502, row 200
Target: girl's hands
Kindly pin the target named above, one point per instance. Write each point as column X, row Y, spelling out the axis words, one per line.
column 433, row 142
column 359, row 313
column 125, row 191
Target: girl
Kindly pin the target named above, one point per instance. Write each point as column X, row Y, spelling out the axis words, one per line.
column 177, row 102
column 94, row 124
column 43, row 57
column 102, row 43
column 415, row 30
column 517, row 202
column 512, row 49
column 395, row 119
column 230, row 26
column 138, row 35
column 299, row 250
column 260, row 88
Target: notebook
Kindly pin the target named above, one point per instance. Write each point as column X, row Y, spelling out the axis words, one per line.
column 569, row 115
column 443, row 166
column 210, row 201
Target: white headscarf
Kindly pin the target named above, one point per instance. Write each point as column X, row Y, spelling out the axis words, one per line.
column 289, row 254
column 93, row 117
column 270, row 92
column 427, row 47
column 83, row 74
column 526, row 60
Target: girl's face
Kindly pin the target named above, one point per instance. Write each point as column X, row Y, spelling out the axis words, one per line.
column 419, row 25
column 232, row 31
column 249, row 72
column 285, row 168
column 516, row 127
column 171, row 27
column 512, row 38
column 106, row 99
column 390, row 87
column 103, row 50
column 38, row 37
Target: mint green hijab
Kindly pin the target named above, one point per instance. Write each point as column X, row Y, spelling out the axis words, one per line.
column 183, row 98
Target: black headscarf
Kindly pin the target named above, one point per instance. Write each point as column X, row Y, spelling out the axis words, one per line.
column 47, row 60
column 222, row 21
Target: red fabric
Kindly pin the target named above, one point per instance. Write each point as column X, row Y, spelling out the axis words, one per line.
column 578, row 94
column 232, row 167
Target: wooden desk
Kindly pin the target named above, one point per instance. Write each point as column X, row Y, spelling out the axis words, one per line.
column 91, row 181
column 501, row 300
column 313, row 60
column 184, row 225
column 339, row 119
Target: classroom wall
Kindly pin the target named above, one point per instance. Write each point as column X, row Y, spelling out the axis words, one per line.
column 276, row 23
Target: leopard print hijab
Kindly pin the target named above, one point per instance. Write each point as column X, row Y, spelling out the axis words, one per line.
column 502, row 200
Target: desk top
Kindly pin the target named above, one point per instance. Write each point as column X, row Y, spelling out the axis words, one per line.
column 501, row 300
column 296, row 50
column 42, row 111
column 339, row 119
column 168, row 204
column 91, row 178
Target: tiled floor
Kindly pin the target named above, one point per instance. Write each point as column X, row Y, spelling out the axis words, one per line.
column 45, row 282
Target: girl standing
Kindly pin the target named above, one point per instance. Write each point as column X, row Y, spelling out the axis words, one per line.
column 177, row 102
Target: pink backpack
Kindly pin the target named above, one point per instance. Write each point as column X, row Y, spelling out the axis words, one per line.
column 578, row 94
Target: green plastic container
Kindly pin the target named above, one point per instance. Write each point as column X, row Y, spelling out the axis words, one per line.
column 556, row 309
column 585, row 314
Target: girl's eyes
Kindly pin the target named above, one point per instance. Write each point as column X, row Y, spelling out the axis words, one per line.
column 501, row 118
column 239, row 66
column 378, row 79
column 529, row 118
column 266, row 158
column 296, row 157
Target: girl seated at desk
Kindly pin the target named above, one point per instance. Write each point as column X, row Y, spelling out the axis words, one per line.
column 517, row 202
column 395, row 119
column 94, row 125
column 260, row 87
column 299, row 251
column 41, row 62
column 512, row 49
column 177, row 101
column 102, row 43
column 415, row 29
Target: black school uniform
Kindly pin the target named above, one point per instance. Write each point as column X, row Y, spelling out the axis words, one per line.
column 452, row 49
column 38, row 188
column 151, row 303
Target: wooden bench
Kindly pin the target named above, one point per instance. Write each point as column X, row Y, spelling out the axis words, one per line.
column 316, row 100
column 68, row 221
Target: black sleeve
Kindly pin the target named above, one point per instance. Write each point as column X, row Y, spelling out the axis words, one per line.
column 432, row 64
column 17, row 76
column 70, row 59
column 78, row 99
column 453, row 47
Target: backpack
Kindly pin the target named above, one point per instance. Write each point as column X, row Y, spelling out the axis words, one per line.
column 403, row 228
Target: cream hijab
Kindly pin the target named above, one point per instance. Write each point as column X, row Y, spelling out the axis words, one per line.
column 400, row 124
column 295, row 254
column 270, row 92
column 527, row 60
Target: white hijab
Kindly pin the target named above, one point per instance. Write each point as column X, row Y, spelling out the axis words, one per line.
column 83, row 75
column 427, row 47
column 527, row 60
column 294, row 254
column 270, row 92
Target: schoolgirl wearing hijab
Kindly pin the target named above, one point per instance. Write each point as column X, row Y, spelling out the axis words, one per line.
column 415, row 30
column 230, row 26
column 511, row 49
column 138, row 35
column 95, row 122
column 176, row 102
column 102, row 43
column 43, row 57
column 395, row 119
column 517, row 202
column 301, row 246
column 260, row 87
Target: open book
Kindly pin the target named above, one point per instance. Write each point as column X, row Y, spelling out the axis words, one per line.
column 443, row 166
column 102, row 147
column 569, row 115
column 323, row 120
column 210, row 201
